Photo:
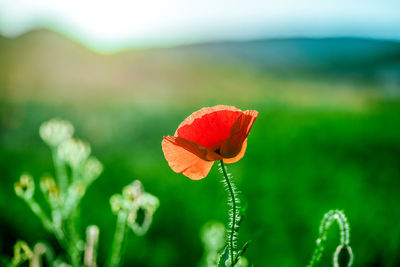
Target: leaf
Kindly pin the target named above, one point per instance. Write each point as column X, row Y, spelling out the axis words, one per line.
column 242, row 251
column 223, row 257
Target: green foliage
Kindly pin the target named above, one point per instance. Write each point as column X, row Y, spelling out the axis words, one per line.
column 76, row 170
column 300, row 162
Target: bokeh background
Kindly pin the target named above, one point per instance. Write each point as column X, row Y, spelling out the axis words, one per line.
column 324, row 76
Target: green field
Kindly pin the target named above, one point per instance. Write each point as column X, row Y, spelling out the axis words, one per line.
column 319, row 143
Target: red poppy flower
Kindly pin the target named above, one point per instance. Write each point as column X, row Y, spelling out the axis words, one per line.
column 210, row 134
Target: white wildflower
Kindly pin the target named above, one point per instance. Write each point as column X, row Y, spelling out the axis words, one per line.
column 92, row 169
column 74, row 151
column 55, row 131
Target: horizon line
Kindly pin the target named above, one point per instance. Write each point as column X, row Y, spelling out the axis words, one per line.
column 185, row 43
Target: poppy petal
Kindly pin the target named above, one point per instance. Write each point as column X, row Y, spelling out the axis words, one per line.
column 232, row 146
column 209, row 126
column 238, row 156
column 183, row 161
column 199, row 150
column 253, row 114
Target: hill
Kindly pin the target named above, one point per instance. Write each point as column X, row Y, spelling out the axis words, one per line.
column 47, row 65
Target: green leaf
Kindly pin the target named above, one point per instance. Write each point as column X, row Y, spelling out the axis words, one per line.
column 242, row 251
column 223, row 257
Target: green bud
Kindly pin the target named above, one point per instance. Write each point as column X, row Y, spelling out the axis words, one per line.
column 117, row 203
column 25, row 187
column 50, row 188
column 22, row 253
column 77, row 189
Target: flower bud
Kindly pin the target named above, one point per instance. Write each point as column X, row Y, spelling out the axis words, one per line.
column 38, row 250
column 55, row 131
column 50, row 188
column 149, row 203
column 116, row 202
column 92, row 169
column 92, row 240
column 25, row 187
column 74, row 151
column 22, row 253
column 78, row 188
column 133, row 191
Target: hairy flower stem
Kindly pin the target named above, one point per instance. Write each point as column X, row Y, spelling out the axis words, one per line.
column 234, row 212
column 115, row 257
column 329, row 218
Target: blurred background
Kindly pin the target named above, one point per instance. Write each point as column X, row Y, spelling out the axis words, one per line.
column 324, row 76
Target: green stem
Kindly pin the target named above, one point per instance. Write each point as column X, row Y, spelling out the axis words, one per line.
column 115, row 257
column 47, row 224
column 61, row 171
column 74, row 238
column 233, row 198
column 37, row 210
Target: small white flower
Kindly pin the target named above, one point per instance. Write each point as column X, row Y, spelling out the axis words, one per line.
column 93, row 168
column 133, row 191
column 74, row 151
column 55, row 131
column 117, row 203
column 149, row 203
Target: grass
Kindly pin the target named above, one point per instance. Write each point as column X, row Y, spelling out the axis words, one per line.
column 300, row 163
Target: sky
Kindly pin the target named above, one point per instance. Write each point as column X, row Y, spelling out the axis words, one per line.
column 119, row 24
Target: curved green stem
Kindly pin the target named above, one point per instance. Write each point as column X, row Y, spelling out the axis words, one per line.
column 115, row 257
column 234, row 207
column 327, row 221
column 47, row 224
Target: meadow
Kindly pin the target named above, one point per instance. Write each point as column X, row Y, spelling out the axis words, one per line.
column 321, row 142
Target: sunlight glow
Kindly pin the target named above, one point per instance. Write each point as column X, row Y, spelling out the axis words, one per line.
column 109, row 25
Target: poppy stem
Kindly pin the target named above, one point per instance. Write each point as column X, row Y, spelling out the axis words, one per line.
column 233, row 212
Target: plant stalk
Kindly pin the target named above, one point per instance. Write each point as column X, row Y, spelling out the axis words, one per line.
column 115, row 257
column 234, row 211
column 61, row 171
